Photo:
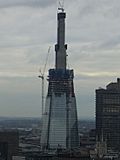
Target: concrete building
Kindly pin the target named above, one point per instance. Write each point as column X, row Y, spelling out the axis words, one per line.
column 9, row 144
column 60, row 125
column 108, row 115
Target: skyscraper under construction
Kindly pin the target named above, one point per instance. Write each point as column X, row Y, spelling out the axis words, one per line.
column 60, row 124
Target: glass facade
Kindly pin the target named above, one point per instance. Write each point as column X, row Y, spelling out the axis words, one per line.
column 108, row 115
column 57, row 132
column 60, row 125
column 45, row 124
column 74, row 124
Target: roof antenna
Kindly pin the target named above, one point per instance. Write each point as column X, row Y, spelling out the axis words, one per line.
column 61, row 5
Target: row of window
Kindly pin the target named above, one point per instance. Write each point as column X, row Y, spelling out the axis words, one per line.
column 112, row 110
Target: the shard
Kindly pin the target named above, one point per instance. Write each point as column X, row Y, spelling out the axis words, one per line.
column 59, row 121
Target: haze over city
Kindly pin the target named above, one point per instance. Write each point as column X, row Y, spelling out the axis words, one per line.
column 28, row 28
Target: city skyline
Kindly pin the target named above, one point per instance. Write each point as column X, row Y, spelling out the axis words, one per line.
column 27, row 30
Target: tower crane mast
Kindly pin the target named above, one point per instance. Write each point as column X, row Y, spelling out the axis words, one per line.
column 61, row 5
column 42, row 77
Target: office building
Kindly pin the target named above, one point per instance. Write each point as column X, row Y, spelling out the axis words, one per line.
column 9, row 144
column 108, row 115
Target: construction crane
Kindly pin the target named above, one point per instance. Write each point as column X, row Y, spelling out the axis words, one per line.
column 41, row 76
column 61, row 5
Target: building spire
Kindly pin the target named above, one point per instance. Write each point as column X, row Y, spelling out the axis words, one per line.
column 60, row 47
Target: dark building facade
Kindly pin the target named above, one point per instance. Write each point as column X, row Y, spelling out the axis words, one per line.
column 108, row 115
column 9, row 144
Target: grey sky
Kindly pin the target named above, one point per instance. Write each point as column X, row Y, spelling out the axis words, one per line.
column 28, row 28
column 26, row 3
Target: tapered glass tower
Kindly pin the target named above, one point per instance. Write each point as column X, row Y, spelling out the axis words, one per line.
column 60, row 124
